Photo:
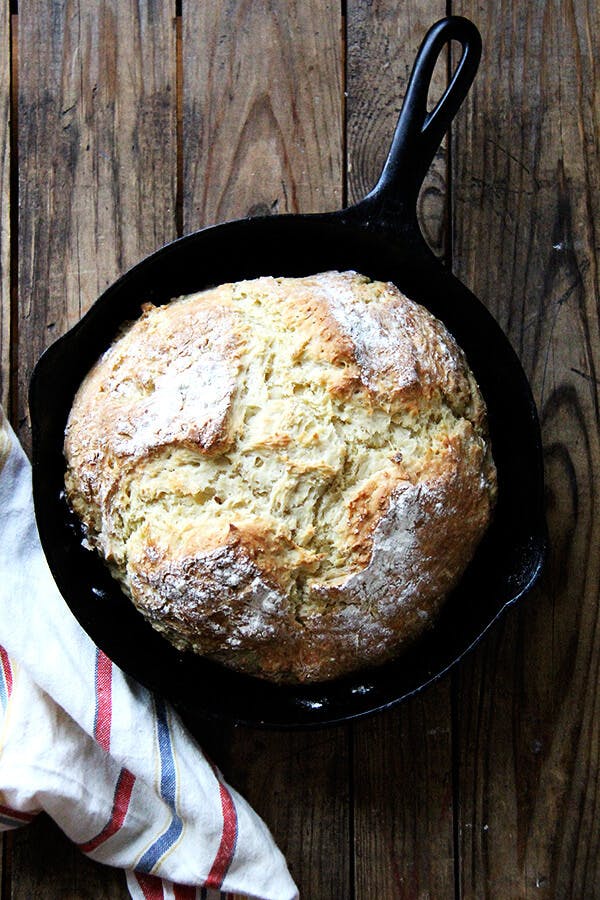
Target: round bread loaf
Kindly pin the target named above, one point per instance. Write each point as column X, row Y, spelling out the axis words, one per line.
column 286, row 475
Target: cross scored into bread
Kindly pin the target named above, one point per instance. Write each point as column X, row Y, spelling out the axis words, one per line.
column 286, row 475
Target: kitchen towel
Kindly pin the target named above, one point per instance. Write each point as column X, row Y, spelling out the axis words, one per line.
column 111, row 763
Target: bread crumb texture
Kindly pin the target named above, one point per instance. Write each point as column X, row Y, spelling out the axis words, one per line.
column 286, row 475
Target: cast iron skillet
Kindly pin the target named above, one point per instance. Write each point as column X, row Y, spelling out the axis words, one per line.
column 379, row 237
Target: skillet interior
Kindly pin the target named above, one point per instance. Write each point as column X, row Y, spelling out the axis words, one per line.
column 504, row 567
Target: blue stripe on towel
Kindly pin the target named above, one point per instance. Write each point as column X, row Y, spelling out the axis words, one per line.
column 168, row 792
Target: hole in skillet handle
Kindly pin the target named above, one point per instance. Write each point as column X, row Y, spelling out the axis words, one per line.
column 392, row 204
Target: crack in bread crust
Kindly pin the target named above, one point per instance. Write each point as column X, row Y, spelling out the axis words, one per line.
column 285, row 474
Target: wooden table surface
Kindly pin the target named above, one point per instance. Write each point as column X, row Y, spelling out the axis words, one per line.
column 128, row 122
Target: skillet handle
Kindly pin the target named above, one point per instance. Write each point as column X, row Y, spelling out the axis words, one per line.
column 419, row 133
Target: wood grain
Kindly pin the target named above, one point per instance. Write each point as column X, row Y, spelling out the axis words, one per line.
column 5, row 208
column 46, row 866
column 366, row 811
column 382, row 41
column 97, row 176
column 262, row 89
column 5, row 249
column 403, row 801
column 402, row 772
column 527, row 177
column 262, row 133
column 299, row 784
column 97, row 156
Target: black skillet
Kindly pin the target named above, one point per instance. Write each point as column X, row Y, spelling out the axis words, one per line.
column 379, row 237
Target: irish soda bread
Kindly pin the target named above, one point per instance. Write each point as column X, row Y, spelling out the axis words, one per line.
column 286, row 474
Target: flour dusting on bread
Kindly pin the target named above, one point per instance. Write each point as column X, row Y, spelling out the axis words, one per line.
column 287, row 475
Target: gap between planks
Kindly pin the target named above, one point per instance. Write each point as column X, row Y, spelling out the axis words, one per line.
column 14, row 219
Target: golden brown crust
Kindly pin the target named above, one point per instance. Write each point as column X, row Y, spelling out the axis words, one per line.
column 287, row 475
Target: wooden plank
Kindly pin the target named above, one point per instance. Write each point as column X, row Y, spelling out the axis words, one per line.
column 97, row 151
column 5, row 296
column 403, row 806
column 527, row 177
column 262, row 87
column 299, row 783
column 45, row 866
column 403, row 802
column 5, row 250
column 97, row 175
column 263, row 133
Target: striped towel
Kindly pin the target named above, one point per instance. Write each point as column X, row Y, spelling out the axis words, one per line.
column 108, row 761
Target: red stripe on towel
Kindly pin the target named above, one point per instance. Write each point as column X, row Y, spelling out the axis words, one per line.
column 102, row 721
column 152, row 887
column 228, row 839
column 17, row 814
column 184, row 892
column 7, row 669
column 119, row 811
